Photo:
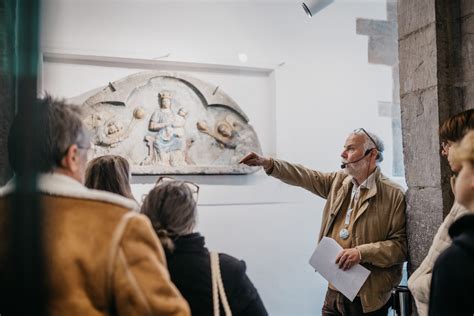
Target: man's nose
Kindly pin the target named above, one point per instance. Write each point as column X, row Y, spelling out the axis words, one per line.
column 344, row 154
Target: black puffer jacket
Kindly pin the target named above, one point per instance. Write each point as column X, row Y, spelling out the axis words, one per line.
column 190, row 269
column 452, row 285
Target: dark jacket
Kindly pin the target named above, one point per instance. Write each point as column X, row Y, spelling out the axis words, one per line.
column 452, row 285
column 190, row 269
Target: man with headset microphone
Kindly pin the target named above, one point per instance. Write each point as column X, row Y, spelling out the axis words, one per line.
column 364, row 213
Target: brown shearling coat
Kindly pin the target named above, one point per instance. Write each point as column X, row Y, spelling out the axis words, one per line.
column 101, row 258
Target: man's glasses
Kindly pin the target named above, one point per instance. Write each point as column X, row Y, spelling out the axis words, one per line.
column 191, row 185
column 89, row 150
column 358, row 130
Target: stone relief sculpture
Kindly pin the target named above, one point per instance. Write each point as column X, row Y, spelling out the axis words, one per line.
column 170, row 123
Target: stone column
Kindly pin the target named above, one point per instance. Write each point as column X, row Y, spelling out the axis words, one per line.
column 466, row 79
column 429, row 41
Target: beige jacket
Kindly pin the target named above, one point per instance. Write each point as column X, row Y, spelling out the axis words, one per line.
column 378, row 229
column 101, row 258
column 420, row 281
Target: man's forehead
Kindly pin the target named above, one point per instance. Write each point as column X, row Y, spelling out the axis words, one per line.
column 355, row 140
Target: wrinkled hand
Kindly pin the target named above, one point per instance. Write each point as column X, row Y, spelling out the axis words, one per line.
column 253, row 159
column 348, row 258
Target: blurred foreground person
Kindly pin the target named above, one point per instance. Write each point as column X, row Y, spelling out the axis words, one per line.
column 101, row 258
column 452, row 285
column 451, row 132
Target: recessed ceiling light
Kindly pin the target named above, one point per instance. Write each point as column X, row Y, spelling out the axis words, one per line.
column 242, row 57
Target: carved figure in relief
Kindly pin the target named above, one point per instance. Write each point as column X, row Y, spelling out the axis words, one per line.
column 177, row 157
column 224, row 134
column 166, row 144
column 111, row 132
column 230, row 133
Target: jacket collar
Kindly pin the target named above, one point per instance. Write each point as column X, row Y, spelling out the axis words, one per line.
column 346, row 186
column 193, row 242
column 370, row 184
column 371, row 192
column 60, row 185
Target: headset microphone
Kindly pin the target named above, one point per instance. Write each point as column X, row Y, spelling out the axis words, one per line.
column 344, row 164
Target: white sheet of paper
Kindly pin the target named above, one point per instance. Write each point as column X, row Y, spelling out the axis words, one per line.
column 324, row 261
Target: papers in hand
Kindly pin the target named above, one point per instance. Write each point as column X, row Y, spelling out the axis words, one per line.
column 324, row 261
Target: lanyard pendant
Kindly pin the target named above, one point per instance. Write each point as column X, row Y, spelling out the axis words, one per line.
column 344, row 233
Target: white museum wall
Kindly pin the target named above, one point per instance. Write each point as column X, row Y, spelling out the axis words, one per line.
column 321, row 88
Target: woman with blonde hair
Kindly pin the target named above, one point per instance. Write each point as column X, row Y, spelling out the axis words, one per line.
column 109, row 173
column 201, row 277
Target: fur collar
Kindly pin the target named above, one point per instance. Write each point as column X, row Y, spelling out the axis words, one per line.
column 61, row 185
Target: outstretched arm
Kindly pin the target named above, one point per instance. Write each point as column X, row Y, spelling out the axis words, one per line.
column 254, row 159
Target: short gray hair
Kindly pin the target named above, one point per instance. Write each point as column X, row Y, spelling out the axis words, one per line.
column 61, row 127
column 372, row 141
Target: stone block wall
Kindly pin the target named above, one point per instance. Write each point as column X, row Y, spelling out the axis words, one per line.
column 436, row 53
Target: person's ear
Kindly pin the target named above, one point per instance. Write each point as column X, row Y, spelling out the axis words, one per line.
column 377, row 154
column 374, row 153
column 70, row 161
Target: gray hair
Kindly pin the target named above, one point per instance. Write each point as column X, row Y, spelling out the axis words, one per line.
column 172, row 211
column 61, row 127
column 372, row 141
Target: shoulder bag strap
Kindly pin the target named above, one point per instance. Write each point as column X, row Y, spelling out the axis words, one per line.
column 218, row 286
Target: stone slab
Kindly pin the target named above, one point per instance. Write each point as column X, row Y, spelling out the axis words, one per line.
column 414, row 15
column 420, row 138
column 396, row 83
column 383, row 50
column 392, row 10
column 467, row 7
column 376, row 28
column 398, row 167
column 418, row 64
column 467, row 48
column 468, row 95
column 424, row 216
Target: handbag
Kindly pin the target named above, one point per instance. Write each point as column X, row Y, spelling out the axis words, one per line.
column 218, row 292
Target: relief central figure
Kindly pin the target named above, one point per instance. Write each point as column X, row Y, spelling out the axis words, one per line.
column 167, row 137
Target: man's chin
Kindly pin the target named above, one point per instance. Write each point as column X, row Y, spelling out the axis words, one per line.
column 347, row 171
